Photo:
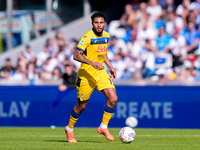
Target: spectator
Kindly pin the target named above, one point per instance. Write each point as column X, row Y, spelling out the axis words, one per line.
column 59, row 40
column 134, row 48
column 169, row 6
column 185, row 5
column 31, row 71
column 42, row 56
column 173, row 22
column 179, row 22
column 52, row 46
column 6, row 74
column 56, row 74
column 146, row 30
column 48, row 67
column 72, row 43
column 19, row 74
column 140, row 15
column 162, row 40
column 192, row 37
column 119, row 65
column 116, row 44
column 64, row 54
column 163, row 59
column 29, row 54
column 127, row 20
column 154, row 9
column 189, row 71
column 133, row 66
column 183, row 10
column 192, row 16
column 170, row 23
column 148, row 58
column 196, row 9
column 69, row 78
column 177, row 48
column 22, row 62
column 7, row 65
column 147, row 22
column 37, row 74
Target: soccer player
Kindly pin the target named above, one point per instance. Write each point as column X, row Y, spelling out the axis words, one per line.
column 92, row 53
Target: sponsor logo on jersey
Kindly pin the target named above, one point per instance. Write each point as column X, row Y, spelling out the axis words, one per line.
column 101, row 56
column 82, row 41
column 101, row 49
column 99, row 41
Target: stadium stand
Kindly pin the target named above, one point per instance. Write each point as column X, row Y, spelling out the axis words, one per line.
column 146, row 47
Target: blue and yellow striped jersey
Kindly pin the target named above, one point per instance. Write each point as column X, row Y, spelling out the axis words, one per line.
column 95, row 49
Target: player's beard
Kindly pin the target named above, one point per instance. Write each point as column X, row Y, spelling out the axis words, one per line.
column 98, row 33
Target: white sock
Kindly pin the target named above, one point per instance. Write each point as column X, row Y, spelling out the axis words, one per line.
column 69, row 129
column 103, row 126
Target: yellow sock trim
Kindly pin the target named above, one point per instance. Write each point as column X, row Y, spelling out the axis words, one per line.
column 106, row 118
column 72, row 122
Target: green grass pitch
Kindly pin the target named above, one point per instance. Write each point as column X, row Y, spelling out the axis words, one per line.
column 15, row 138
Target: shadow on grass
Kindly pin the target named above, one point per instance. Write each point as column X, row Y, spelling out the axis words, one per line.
column 55, row 141
column 64, row 141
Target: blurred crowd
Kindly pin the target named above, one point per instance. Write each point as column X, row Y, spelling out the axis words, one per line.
column 157, row 42
column 149, row 41
column 55, row 62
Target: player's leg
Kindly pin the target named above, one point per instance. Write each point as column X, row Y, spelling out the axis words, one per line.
column 84, row 90
column 75, row 113
column 109, row 108
column 111, row 96
column 74, row 116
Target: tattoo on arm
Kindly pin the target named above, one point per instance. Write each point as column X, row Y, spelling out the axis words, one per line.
column 78, row 55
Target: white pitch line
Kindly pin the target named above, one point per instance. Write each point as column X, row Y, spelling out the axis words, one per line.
column 1, row 136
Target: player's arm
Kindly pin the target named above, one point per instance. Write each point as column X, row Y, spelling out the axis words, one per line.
column 78, row 56
column 112, row 70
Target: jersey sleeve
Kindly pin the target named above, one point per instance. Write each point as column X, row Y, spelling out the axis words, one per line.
column 83, row 43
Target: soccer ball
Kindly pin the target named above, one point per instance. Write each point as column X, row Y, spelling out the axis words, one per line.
column 127, row 134
column 131, row 122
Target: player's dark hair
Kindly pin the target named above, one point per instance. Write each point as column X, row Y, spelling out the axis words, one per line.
column 99, row 14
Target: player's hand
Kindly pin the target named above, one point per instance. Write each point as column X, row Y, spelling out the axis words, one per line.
column 98, row 66
column 113, row 73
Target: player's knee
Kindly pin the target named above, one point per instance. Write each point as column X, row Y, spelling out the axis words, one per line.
column 82, row 105
column 113, row 100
